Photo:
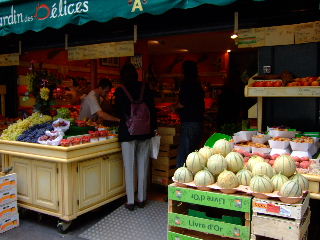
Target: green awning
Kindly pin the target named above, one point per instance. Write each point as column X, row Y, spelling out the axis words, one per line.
column 18, row 16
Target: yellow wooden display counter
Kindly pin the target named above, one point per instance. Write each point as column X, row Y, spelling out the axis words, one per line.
column 65, row 182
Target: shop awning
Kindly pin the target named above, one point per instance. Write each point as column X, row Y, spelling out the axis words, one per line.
column 19, row 16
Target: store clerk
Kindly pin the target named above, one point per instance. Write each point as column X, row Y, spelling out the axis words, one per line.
column 90, row 107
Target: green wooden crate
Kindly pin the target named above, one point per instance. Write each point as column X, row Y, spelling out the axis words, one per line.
column 178, row 236
column 210, row 199
column 209, row 226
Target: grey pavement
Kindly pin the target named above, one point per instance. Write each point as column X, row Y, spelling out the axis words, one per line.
column 43, row 227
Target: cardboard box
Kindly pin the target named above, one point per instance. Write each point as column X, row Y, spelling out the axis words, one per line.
column 212, row 199
column 279, row 144
column 9, row 223
column 8, row 181
column 8, row 196
column 8, row 210
column 281, row 209
column 168, row 131
column 261, row 150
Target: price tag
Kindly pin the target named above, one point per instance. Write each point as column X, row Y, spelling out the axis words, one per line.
column 273, row 208
column 260, row 205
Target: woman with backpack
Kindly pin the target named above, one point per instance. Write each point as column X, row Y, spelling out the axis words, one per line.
column 135, row 106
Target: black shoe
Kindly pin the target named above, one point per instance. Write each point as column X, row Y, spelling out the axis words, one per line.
column 130, row 207
column 141, row 204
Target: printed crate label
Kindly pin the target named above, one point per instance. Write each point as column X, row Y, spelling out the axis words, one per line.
column 8, row 196
column 178, row 236
column 8, row 210
column 208, row 226
column 9, row 223
column 210, row 199
column 8, row 181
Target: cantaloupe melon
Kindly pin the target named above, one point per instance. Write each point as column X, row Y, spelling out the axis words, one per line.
column 222, row 146
column 203, row 178
column 303, row 181
column 206, row 152
column 216, row 164
column 285, row 164
column 262, row 168
column 261, row 184
column 235, row 161
column 290, row 189
column 183, row 175
column 253, row 160
column 195, row 162
column 227, row 180
column 244, row 176
column 278, row 180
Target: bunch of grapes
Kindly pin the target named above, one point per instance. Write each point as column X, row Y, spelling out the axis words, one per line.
column 44, row 93
column 63, row 113
column 15, row 130
column 32, row 134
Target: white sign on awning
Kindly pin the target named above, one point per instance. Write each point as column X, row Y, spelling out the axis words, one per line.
column 103, row 50
column 11, row 59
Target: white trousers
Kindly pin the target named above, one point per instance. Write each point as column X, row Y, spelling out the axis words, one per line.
column 135, row 155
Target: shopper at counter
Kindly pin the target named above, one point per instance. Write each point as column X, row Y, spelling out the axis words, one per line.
column 135, row 148
column 90, row 107
column 191, row 109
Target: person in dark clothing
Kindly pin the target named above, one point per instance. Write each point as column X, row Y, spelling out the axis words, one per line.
column 135, row 148
column 191, row 110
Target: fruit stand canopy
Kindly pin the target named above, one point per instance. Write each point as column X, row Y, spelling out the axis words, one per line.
column 19, row 16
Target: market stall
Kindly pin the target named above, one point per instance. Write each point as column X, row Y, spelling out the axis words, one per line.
column 65, row 182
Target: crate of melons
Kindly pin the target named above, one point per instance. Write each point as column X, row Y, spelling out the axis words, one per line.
column 208, row 170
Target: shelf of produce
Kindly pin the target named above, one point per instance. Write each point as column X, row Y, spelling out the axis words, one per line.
column 65, row 182
column 282, row 91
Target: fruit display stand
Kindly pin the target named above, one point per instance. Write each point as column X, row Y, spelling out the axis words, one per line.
column 190, row 210
column 279, row 220
column 164, row 166
column 65, row 182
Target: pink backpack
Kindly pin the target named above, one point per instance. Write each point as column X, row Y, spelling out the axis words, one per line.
column 138, row 122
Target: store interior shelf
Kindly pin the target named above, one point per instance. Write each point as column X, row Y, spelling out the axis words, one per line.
column 282, row 91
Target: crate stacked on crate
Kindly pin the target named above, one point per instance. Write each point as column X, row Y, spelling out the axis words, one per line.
column 279, row 220
column 9, row 217
column 203, row 215
column 164, row 166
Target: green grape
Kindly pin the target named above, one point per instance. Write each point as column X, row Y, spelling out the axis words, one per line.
column 16, row 129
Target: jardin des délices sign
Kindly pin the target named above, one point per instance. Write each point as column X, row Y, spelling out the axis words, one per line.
column 38, row 15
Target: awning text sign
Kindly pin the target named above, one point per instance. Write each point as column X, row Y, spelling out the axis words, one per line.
column 103, row 50
column 21, row 16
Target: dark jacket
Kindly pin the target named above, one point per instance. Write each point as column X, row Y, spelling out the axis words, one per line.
column 123, row 108
column 191, row 96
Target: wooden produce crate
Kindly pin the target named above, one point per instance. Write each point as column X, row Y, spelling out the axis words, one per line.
column 168, row 140
column 280, row 228
column 168, row 131
column 225, row 205
column 314, row 185
column 163, row 168
column 280, row 209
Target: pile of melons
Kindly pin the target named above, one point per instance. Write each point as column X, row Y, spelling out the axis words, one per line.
column 228, row 170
